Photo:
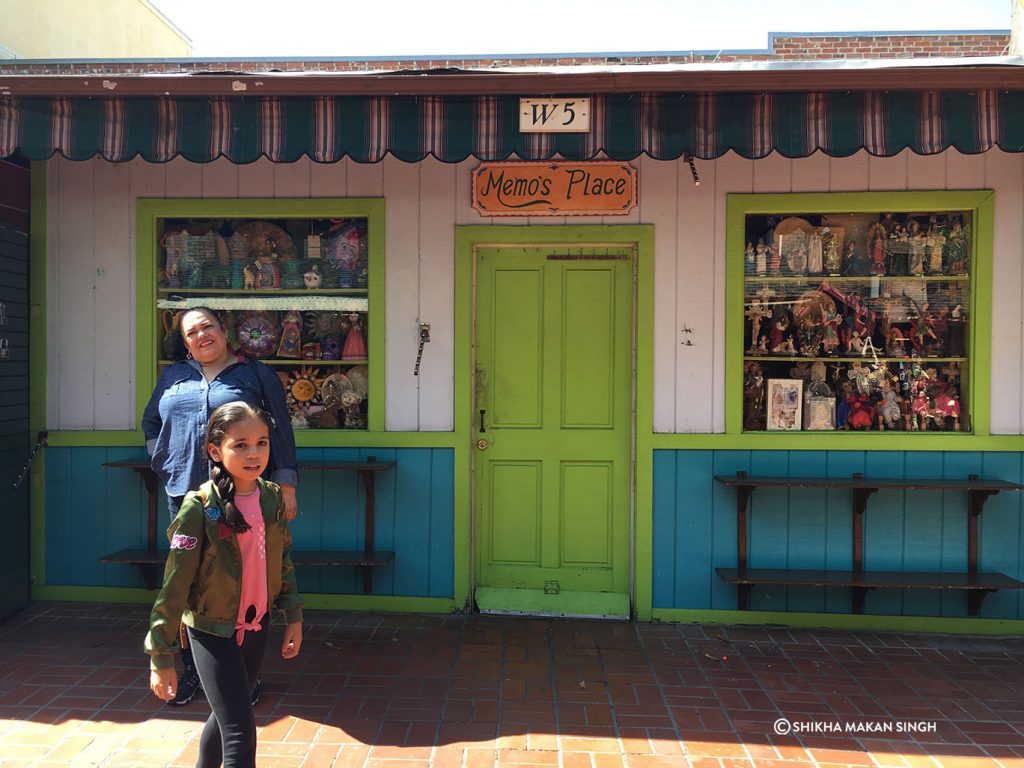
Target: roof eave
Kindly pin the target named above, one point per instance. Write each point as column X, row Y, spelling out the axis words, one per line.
column 909, row 77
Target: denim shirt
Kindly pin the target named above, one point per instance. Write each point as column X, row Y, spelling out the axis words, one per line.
column 174, row 422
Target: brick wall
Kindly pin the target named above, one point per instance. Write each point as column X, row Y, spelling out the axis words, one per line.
column 782, row 48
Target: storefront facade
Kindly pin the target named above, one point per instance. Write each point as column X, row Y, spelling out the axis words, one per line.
column 555, row 441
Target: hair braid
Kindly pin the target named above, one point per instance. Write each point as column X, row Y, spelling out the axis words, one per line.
column 225, row 486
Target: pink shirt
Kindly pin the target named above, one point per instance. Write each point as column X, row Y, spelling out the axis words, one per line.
column 253, row 545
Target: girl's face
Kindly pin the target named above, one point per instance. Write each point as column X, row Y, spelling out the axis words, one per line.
column 204, row 337
column 244, row 452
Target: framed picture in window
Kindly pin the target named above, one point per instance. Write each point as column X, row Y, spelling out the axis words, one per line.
column 785, row 405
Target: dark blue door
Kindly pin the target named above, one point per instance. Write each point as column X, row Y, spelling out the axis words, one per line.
column 15, row 442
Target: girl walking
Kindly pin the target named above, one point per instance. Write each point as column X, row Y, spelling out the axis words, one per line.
column 229, row 563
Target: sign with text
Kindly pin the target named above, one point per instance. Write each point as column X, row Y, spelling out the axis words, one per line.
column 555, row 188
column 554, row 115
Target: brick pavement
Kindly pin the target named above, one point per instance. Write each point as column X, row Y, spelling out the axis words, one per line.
column 390, row 691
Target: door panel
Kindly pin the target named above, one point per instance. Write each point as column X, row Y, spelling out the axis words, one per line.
column 14, row 429
column 554, row 383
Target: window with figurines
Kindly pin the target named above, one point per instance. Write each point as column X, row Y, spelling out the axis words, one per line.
column 856, row 320
column 293, row 290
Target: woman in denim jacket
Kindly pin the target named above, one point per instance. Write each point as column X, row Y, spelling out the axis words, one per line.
column 174, row 425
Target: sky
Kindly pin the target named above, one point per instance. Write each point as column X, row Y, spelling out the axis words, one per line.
column 365, row 28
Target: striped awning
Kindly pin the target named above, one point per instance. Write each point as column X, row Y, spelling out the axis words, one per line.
column 664, row 126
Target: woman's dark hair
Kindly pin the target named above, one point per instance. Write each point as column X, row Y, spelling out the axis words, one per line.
column 221, row 420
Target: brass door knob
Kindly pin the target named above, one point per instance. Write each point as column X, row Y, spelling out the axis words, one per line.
column 482, row 444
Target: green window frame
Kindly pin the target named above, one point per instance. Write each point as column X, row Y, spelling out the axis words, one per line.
column 151, row 211
column 980, row 204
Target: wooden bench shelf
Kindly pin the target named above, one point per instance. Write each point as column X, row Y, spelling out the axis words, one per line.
column 150, row 559
column 976, row 584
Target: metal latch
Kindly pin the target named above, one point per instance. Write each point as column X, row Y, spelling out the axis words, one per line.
column 552, row 587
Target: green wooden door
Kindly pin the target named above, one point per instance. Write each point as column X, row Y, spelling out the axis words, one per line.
column 553, row 466
column 14, row 432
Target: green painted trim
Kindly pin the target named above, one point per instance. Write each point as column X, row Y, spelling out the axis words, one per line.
column 381, row 603
column 303, row 438
column 37, row 367
column 150, row 210
column 843, row 621
column 375, row 603
column 466, row 239
column 981, row 203
column 854, row 441
column 534, row 602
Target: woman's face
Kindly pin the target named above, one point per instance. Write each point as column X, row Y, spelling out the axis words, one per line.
column 204, row 337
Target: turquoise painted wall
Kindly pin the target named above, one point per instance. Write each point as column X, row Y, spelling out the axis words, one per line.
column 695, row 529
column 92, row 510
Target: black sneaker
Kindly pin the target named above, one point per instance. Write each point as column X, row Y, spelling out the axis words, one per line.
column 188, row 687
column 257, row 691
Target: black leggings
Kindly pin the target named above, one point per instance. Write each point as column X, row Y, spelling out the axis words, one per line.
column 228, row 672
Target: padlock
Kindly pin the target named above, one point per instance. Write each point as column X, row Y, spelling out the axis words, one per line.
column 5, row 348
column 3, row 314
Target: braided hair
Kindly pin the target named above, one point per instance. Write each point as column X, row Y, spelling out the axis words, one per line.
column 221, row 420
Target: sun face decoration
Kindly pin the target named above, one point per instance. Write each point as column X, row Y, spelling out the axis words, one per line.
column 303, row 388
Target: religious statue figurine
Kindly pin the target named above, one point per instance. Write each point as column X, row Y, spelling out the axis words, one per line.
column 774, row 260
column 355, row 341
column 936, row 243
column 830, row 326
column 291, row 327
column 748, row 258
column 918, row 241
column 761, row 258
column 833, row 263
column 889, row 412
column 754, row 416
column 877, row 244
column 956, row 251
column 266, row 273
column 757, row 314
column 816, row 255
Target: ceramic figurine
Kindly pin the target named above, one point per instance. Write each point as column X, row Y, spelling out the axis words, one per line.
column 249, row 275
column 748, row 258
column 266, row 273
column 815, row 257
column 936, row 243
column 312, row 278
column 331, row 348
column 291, row 328
column 355, row 341
column 311, row 350
column 290, row 275
column 956, row 252
column 833, row 263
column 761, row 258
column 889, row 412
column 757, row 314
column 237, row 275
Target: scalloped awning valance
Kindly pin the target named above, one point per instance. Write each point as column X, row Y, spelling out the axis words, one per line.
column 664, row 126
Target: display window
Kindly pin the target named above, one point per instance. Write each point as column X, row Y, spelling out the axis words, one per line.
column 857, row 320
column 292, row 291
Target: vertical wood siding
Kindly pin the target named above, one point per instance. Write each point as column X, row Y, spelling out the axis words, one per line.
column 92, row 510
column 91, row 242
column 695, row 529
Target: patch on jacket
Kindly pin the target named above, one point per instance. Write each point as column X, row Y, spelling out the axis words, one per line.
column 181, row 541
column 213, row 513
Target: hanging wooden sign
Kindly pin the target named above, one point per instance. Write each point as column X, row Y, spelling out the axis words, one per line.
column 555, row 188
column 554, row 115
